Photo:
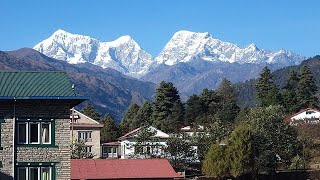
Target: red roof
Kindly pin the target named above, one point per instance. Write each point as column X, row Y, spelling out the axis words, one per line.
column 121, row 169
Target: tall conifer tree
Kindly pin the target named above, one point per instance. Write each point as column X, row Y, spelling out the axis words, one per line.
column 144, row 115
column 90, row 111
column 166, row 98
column 307, row 89
column 128, row 119
column 290, row 92
column 110, row 131
column 267, row 92
column 228, row 108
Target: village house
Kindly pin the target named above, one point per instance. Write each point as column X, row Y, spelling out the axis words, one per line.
column 35, row 125
column 125, row 147
column 304, row 116
column 87, row 130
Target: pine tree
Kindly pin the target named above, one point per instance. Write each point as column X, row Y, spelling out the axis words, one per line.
column 215, row 163
column 110, row 131
column 239, row 151
column 127, row 122
column 175, row 119
column 144, row 116
column 290, row 99
column 267, row 92
column 90, row 111
column 166, row 97
column 194, row 109
column 307, row 89
column 228, row 109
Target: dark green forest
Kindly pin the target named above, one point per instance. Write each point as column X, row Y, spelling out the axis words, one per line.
column 245, row 91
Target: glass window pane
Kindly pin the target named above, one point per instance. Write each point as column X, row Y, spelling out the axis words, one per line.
column 22, row 173
column 22, row 131
column 45, row 173
column 34, row 173
column 34, row 133
column 45, row 136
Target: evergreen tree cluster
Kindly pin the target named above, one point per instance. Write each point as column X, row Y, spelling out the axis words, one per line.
column 169, row 114
column 298, row 93
column 260, row 143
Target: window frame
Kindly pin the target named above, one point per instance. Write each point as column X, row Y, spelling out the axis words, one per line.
column 40, row 122
column 39, row 165
column 84, row 136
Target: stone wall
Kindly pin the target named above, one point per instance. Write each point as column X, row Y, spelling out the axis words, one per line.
column 60, row 154
column 6, row 152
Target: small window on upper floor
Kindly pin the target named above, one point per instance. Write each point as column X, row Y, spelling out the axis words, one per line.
column 85, row 136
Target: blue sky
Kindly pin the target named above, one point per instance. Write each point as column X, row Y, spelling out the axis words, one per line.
column 273, row 24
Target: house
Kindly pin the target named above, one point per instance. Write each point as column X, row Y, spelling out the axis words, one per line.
column 122, row 169
column 35, row 125
column 191, row 130
column 110, row 150
column 125, row 147
column 304, row 116
column 87, row 130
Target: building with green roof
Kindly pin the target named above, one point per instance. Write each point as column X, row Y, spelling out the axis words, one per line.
column 35, row 125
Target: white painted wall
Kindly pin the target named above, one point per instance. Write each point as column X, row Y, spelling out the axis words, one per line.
column 308, row 114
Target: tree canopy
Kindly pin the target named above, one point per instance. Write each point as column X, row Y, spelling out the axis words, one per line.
column 90, row 111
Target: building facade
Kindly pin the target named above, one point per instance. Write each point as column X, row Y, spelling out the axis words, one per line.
column 304, row 116
column 35, row 125
column 87, row 130
column 128, row 148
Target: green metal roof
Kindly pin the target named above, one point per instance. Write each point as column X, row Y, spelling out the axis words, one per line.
column 31, row 85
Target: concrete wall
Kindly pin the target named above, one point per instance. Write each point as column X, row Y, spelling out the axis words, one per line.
column 95, row 138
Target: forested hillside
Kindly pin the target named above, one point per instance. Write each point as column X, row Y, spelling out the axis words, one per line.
column 245, row 91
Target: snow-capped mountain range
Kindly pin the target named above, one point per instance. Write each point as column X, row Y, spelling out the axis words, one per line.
column 126, row 56
column 122, row 54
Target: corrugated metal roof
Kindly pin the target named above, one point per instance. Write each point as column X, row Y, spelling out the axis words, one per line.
column 122, row 169
column 22, row 84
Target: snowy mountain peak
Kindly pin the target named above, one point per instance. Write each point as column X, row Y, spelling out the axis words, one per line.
column 184, row 34
column 125, row 55
column 122, row 54
column 60, row 31
column 186, row 46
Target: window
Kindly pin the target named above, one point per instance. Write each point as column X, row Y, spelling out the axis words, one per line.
column 34, row 132
column 310, row 112
column 110, row 152
column 85, row 136
column 87, row 149
column 34, row 173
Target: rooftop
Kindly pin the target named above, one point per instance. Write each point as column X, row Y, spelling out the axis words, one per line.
column 122, row 169
column 39, row 85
